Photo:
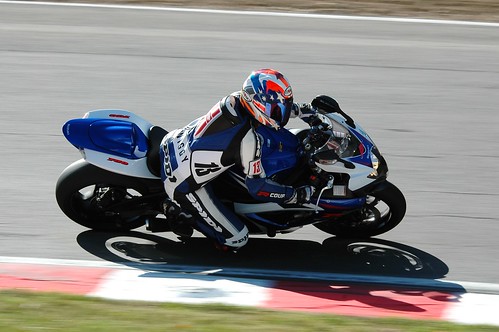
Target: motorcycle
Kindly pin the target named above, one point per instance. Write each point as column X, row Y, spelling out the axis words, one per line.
column 116, row 186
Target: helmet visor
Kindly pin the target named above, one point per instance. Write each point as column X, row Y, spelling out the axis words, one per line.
column 279, row 112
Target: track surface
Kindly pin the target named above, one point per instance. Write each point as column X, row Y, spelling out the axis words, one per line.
column 427, row 94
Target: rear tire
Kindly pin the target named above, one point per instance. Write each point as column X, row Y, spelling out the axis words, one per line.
column 79, row 193
column 384, row 210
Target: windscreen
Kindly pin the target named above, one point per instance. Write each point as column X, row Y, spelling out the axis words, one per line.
column 340, row 141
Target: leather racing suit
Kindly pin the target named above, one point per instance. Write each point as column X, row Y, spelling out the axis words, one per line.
column 196, row 154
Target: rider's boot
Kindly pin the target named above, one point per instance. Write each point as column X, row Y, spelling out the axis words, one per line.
column 180, row 222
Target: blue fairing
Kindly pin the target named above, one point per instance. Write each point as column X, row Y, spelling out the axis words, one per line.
column 120, row 138
column 279, row 150
column 364, row 158
column 342, row 204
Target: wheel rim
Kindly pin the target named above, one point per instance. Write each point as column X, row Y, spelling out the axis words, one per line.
column 102, row 202
column 376, row 213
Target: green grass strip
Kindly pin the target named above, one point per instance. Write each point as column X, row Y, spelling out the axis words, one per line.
column 30, row 311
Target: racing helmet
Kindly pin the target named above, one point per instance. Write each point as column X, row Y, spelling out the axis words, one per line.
column 268, row 97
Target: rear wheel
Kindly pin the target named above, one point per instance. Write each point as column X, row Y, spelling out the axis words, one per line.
column 384, row 209
column 102, row 200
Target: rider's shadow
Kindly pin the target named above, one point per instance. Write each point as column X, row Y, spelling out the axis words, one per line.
column 346, row 256
column 158, row 256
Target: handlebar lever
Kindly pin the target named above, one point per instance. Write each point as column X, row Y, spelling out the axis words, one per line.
column 329, row 185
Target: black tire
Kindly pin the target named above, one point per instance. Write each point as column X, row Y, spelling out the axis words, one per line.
column 370, row 221
column 76, row 194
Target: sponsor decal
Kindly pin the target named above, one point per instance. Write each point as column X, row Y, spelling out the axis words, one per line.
column 167, row 167
column 122, row 116
column 203, row 213
column 118, row 161
column 271, row 195
column 181, row 144
column 288, row 92
column 241, row 240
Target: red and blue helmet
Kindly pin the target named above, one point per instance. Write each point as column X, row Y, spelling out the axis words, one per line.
column 268, row 97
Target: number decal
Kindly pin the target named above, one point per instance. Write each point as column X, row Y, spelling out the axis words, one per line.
column 255, row 167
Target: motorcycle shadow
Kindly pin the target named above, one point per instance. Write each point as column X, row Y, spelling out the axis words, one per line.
column 347, row 256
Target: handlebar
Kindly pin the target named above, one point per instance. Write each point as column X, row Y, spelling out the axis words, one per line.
column 317, row 135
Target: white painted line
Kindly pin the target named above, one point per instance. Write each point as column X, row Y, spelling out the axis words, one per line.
column 474, row 309
column 259, row 13
column 174, row 287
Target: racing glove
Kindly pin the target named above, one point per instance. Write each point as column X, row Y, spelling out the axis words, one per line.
column 306, row 112
column 302, row 195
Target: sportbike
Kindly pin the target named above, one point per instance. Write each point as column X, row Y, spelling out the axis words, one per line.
column 117, row 184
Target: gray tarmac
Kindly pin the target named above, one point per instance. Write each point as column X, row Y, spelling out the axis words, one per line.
column 428, row 94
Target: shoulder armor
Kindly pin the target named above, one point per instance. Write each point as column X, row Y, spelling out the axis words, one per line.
column 230, row 107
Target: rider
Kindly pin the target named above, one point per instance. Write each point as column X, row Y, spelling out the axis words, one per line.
column 196, row 154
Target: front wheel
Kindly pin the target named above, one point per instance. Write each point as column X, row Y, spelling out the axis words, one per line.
column 384, row 209
column 102, row 200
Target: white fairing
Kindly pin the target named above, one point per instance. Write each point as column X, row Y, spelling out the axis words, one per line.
column 132, row 167
column 358, row 175
column 110, row 162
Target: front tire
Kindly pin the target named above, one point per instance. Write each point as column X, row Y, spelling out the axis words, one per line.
column 88, row 194
column 384, row 209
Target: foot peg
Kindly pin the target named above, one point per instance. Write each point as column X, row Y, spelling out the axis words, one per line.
column 156, row 225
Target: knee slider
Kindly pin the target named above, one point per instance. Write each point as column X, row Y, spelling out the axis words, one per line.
column 239, row 239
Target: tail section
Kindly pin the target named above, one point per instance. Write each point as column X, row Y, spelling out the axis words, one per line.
column 115, row 140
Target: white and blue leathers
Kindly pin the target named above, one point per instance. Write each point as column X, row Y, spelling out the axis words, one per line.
column 196, row 154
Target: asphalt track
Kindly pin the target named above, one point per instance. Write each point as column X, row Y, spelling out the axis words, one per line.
column 427, row 93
